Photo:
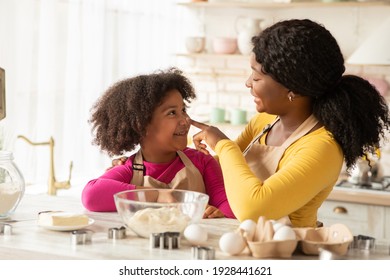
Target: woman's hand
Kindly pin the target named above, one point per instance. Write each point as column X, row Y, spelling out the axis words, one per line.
column 117, row 161
column 212, row 212
column 209, row 134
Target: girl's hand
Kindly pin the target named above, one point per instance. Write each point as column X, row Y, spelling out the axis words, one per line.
column 212, row 212
column 165, row 197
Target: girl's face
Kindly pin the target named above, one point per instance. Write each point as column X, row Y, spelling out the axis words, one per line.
column 269, row 95
column 168, row 129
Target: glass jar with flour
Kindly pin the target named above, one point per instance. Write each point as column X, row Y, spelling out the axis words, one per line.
column 12, row 185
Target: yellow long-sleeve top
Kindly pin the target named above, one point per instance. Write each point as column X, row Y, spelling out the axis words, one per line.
column 304, row 177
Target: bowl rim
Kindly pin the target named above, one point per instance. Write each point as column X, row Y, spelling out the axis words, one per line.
column 202, row 197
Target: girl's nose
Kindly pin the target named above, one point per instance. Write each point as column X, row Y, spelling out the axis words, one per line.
column 184, row 120
column 248, row 82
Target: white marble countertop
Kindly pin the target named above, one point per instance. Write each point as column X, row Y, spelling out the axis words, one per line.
column 30, row 241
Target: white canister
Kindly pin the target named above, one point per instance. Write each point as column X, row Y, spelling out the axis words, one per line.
column 246, row 29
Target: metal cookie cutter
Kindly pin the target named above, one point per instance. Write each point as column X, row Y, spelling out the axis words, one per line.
column 81, row 237
column 363, row 242
column 165, row 240
column 117, row 233
column 203, row 253
column 5, row 229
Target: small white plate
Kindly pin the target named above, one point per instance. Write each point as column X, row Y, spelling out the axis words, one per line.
column 68, row 228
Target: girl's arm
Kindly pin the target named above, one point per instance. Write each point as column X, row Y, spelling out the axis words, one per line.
column 98, row 194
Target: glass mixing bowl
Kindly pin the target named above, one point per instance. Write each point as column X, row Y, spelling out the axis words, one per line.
column 150, row 211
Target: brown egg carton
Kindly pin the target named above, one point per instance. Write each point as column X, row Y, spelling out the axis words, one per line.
column 264, row 246
column 335, row 238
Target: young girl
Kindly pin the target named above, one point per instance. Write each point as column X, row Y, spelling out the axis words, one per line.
column 149, row 111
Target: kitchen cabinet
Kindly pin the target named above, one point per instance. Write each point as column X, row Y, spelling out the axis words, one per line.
column 362, row 219
column 387, row 223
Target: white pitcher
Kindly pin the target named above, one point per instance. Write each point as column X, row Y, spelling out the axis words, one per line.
column 246, row 29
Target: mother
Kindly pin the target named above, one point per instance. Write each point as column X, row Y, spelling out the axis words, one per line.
column 312, row 117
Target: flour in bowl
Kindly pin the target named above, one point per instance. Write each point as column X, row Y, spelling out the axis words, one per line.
column 164, row 219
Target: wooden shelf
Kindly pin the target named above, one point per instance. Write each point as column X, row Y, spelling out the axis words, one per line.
column 212, row 55
column 255, row 5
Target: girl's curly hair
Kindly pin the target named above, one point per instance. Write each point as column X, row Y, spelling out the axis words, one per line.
column 304, row 57
column 120, row 116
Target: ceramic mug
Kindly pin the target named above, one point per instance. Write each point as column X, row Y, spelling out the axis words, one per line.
column 238, row 117
column 217, row 115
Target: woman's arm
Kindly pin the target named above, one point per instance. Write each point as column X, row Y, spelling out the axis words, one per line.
column 308, row 167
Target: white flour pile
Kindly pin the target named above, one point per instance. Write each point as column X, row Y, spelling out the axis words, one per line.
column 158, row 220
column 9, row 195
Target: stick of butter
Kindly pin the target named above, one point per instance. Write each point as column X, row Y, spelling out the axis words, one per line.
column 62, row 219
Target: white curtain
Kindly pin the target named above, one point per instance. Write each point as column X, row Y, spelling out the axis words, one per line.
column 59, row 57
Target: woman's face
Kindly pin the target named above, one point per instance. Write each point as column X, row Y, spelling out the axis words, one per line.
column 168, row 129
column 269, row 95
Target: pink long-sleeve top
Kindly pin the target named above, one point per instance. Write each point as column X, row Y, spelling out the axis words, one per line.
column 98, row 194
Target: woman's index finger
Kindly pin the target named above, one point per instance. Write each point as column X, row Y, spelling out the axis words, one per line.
column 199, row 125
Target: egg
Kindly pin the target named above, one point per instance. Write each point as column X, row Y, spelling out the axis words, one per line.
column 284, row 233
column 195, row 234
column 249, row 227
column 232, row 243
column 277, row 225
